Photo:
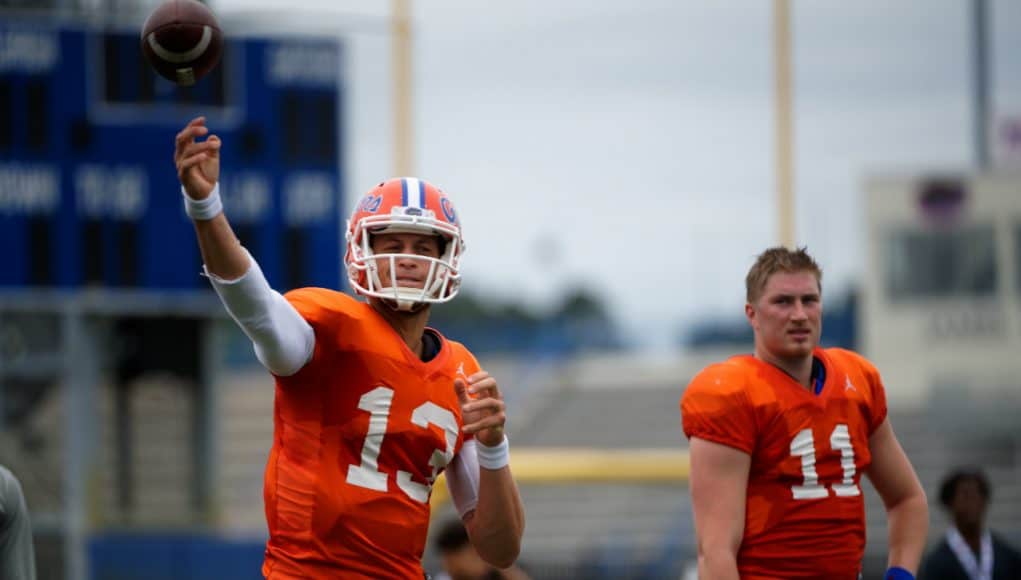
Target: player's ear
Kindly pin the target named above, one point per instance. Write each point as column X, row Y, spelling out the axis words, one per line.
column 749, row 313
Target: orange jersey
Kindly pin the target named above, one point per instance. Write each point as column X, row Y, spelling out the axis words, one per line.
column 805, row 513
column 360, row 434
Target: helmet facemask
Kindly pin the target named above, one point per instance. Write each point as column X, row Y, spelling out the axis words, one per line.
column 443, row 278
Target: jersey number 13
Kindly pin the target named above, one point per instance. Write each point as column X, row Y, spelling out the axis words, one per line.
column 367, row 473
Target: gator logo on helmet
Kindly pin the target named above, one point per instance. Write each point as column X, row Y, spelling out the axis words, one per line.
column 371, row 203
column 448, row 210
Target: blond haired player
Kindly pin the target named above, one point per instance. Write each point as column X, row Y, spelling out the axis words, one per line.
column 781, row 438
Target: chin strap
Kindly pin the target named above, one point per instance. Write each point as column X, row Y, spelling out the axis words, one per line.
column 395, row 305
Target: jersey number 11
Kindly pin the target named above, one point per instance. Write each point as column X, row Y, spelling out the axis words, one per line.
column 803, row 446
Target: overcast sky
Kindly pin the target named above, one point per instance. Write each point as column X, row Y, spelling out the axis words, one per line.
column 628, row 145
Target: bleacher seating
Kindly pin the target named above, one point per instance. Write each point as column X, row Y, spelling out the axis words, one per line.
column 592, row 530
column 592, row 413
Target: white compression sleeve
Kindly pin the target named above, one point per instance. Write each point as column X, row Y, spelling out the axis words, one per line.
column 463, row 478
column 283, row 340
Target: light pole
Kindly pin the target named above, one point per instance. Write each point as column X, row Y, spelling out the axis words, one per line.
column 783, row 111
column 980, row 81
column 402, row 102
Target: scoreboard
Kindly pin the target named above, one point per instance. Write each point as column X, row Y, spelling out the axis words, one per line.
column 89, row 195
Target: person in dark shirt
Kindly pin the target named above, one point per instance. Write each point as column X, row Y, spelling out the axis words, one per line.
column 970, row 551
column 460, row 561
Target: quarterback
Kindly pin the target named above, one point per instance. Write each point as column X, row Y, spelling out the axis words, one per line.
column 779, row 442
column 371, row 404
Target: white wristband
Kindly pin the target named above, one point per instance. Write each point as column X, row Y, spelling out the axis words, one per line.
column 203, row 209
column 495, row 457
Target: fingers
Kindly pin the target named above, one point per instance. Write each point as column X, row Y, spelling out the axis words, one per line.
column 195, row 154
column 477, row 376
column 479, row 383
column 214, row 142
column 488, row 405
column 197, row 162
column 194, row 148
column 491, row 422
column 491, row 413
column 462, row 393
column 189, row 133
column 482, row 406
column 190, row 162
column 195, row 128
column 482, row 383
column 494, row 421
column 199, row 121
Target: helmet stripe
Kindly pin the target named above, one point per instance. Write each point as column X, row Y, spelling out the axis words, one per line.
column 410, row 186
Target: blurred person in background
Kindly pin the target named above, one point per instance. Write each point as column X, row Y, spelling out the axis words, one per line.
column 970, row 551
column 779, row 441
column 461, row 561
column 371, row 405
column 17, row 556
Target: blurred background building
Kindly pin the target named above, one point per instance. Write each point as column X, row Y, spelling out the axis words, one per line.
column 614, row 194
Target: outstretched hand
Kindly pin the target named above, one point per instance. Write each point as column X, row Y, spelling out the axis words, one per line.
column 482, row 408
column 198, row 162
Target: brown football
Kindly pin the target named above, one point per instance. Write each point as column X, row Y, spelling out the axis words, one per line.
column 182, row 40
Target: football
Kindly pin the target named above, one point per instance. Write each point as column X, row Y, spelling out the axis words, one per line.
column 182, row 40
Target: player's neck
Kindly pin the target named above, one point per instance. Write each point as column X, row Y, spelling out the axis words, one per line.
column 409, row 325
column 799, row 369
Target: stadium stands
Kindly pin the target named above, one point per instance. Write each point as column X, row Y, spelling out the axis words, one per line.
column 594, row 529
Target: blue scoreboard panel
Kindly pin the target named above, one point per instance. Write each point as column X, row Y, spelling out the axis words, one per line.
column 89, row 195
